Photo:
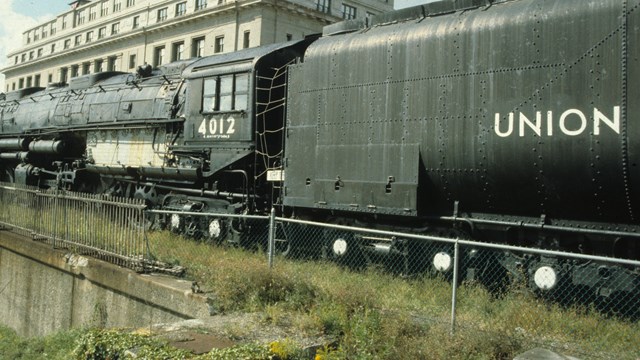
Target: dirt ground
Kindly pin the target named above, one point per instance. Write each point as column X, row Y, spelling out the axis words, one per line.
column 222, row 331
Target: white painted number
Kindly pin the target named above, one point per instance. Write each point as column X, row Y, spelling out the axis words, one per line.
column 217, row 127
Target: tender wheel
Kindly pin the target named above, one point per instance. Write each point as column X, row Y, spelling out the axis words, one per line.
column 344, row 249
column 442, row 262
column 339, row 247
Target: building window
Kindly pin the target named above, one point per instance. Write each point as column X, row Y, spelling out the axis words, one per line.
column 245, row 41
column 117, row 5
column 104, row 10
column 53, row 48
column 86, row 68
column 53, row 29
column 324, row 6
column 158, row 56
column 226, row 93
column 29, row 84
column 162, row 15
column 23, row 58
column 39, row 53
column 130, row 3
column 181, row 8
column 67, row 44
column 201, row 4
column 36, row 81
column 219, row 44
column 197, row 47
column 80, row 18
column 177, row 52
column 44, row 33
column 132, row 61
column 64, row 23
column 89, row 36
column 63, row 74
column 78, row 40
column 16, row 59
column 20, row 83
column 74, row 71
column 136, row 22
column 49, row 78
column 29, row 39
column 115, row 28
column 36, row 36
column 348, row 12
column 102, row 32
column 112, row 64
column 93, row 13
column 30, row 55
column 97, row 66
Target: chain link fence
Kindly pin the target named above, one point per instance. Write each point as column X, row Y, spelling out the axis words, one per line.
column 606, row 284
column 551, row 298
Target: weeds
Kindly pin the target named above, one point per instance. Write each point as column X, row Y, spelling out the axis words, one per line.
column 375, row 315
column 56, row 347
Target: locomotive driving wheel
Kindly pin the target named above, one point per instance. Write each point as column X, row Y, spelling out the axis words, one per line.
column 7, row 176
column 215, row 230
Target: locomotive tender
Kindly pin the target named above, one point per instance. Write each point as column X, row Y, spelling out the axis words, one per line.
column 497, row 120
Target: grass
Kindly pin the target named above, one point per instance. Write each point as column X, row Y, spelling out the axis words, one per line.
column 374, row 315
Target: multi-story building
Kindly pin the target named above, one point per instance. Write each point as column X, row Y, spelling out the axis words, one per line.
column 119, row 35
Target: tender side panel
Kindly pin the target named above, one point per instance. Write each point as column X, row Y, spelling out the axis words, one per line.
column 517, row 108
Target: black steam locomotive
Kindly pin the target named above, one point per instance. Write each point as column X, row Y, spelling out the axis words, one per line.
column 496, row 120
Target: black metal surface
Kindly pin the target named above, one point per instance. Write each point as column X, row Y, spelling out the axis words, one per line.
column 559, row 69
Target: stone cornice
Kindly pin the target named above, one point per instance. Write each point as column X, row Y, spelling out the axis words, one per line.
column 199, row 15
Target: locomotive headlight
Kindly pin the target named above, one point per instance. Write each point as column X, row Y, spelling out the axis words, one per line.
column 339, row 247
column 545, row 278
column 174, row 222
column 215, row 229
column 442, row 261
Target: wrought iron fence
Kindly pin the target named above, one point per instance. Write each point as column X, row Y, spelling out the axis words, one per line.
column 105, row 227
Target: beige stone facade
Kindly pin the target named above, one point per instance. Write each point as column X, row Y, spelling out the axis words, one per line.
column 119, row 35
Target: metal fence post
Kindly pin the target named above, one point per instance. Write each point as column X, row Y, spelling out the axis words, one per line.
column 272, row 233
column 55, row 217
column 454, row 285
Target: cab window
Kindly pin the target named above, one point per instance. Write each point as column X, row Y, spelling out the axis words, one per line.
column 226, row 93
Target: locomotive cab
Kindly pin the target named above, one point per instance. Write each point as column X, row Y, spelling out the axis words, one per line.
column 234, row 118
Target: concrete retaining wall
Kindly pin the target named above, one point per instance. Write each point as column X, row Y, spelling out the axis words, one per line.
column 44, row 291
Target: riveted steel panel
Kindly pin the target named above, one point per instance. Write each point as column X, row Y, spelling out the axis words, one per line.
column 520, row 107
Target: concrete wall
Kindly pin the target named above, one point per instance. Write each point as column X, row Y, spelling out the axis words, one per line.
column 44, row 291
